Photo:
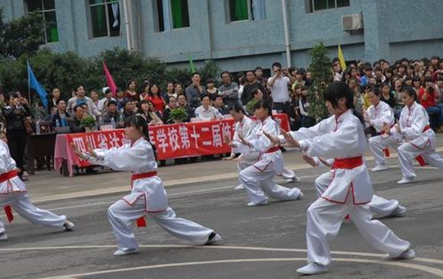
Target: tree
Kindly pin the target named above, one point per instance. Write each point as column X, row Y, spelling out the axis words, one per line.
column 320, row 68
column 125, row 65
column 21, row 36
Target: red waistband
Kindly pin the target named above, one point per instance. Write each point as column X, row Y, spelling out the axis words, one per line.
column 426, row 128
column 143, row 175
column 347, row 163
column 273, row 149
column 8, row 175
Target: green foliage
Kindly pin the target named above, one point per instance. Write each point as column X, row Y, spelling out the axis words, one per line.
column 19, row 36
column 65, row 71
column 88, row 121
column 125, row 66
column 178, row 114
column 320, row 68
column 20, row 40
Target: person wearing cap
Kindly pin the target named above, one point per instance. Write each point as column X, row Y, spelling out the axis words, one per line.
column 103, row 103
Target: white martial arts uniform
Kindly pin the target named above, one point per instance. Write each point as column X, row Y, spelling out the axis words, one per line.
column 378, row 115
column 13, row 193
column 349, row 192
column 245, row 128
column 147, row 197
column 258, row 179
column 418, row 139
column 378, row 205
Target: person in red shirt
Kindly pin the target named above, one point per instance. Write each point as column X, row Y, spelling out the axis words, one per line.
column 156, row 98
column 427, row 98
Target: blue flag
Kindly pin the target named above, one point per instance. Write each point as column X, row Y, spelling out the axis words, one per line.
column 34, row 84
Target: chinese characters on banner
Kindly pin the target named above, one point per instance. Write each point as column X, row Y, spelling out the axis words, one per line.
column 172, row 141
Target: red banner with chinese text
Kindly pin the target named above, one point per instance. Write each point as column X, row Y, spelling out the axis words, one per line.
column 172, row 141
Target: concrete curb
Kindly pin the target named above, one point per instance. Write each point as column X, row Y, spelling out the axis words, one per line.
column 173, row 182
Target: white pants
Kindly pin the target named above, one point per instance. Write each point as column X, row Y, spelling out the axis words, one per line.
column 408, row 152
column 377, row 144
column 287, row 173
column 122, row 216
column 378, row 205
column 258, row 183
column 324, row 221
column 21, row 204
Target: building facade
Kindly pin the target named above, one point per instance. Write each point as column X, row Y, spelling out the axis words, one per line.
column 240, row 34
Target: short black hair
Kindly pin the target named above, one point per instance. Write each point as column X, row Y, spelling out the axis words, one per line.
column 112, row 102
column 77, row 106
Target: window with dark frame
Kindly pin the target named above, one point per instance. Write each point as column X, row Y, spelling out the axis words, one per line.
column 318, row 5
column 246, row 10
column 172, row 14
column 47, row 9
column 105, row 18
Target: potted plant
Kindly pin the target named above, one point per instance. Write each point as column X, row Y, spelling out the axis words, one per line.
column 178, row 115
column 88, row 122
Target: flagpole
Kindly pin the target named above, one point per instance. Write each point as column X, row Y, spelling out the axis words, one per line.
column 29, row 84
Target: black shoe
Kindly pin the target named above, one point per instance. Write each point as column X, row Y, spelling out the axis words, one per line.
column 90, row 170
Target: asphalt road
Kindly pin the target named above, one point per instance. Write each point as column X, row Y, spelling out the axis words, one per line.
column 258, row 242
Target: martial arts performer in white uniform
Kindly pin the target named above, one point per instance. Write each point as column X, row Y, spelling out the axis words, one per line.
column 378, row 205
column 244, row 127
column 13, row 194
column 148, row 196
column 258, row 179
column 342, row 137
column 417, row 136
column 376, row 117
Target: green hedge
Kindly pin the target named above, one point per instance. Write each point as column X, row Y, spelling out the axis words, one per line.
column 67, row 70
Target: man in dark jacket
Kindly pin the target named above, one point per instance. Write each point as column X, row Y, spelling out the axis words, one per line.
column 15, row 113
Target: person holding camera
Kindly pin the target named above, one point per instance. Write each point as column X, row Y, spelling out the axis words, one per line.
column 16, row 113
column 427, row 97
column 279, row 83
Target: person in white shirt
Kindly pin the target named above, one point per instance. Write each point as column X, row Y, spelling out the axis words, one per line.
column 148, row 196
column 13, row 196
column 378, row 205
column 258, row 178
column 206, row 111
column 243, row 128
column 376, row 117
column 419, row 139
column 378, row 114
column 102, row 105
column 342, row 137
column 278, row 84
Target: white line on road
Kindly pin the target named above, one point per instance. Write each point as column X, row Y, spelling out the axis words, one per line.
column 435, row 271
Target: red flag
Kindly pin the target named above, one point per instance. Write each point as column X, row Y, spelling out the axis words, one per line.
column 109, row 80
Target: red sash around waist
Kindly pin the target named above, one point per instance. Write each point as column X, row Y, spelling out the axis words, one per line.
column 348, row 163
column 7, row 175
column 141, row 222
column 273, row 149
column 426, row 128
column 7, row 208
column 143, row 175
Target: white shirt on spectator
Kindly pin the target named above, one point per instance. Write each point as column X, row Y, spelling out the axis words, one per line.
column 279, row 90
column 207, row 114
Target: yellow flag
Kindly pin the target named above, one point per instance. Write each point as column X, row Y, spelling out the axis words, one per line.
column 341, row 58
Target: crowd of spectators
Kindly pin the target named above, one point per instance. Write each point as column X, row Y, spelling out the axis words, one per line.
column 211, row 99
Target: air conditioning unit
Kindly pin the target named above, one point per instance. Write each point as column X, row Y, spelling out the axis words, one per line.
column 352, row 22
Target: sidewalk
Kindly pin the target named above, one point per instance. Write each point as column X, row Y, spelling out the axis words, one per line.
column 50, row 185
